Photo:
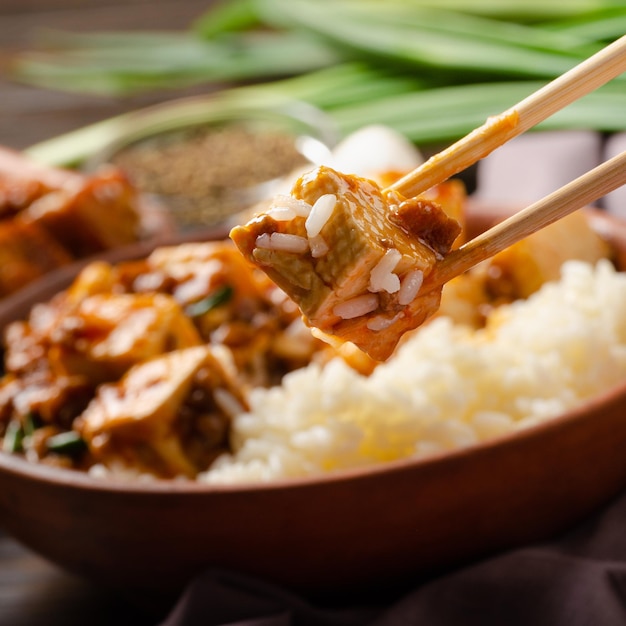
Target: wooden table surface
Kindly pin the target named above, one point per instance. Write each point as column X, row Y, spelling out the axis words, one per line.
column 32, row 591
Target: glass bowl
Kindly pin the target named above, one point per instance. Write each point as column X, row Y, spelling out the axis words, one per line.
column 204, row 160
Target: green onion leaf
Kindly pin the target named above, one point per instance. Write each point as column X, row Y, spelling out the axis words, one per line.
column 69, row 443
column 518, row 10
column 432, row 38
column 217, row 298
column 30, row 424
column 226, row 17
column 431, row 69
column 605, row 25
column 13, row 437
column 122, row 64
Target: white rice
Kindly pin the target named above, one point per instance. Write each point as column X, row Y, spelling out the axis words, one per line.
column 282, row 213
column 379, row 322
column 410, row 286
column 227, row 402
column 447, row 387
column 356, row 307
column 320, row 214
column 282, row 241
column 300, row 207
column 319, row 247
column 382, row 277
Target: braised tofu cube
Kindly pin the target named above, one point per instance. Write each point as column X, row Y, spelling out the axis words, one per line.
column 105, row 334
column 169, row 415
column 352, row 257
column 521, row 269
column 90, row 215
column 27, row 252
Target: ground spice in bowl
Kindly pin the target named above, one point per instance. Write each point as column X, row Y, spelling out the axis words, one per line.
column 204, row 174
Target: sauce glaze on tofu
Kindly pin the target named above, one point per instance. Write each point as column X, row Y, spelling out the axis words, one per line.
column 352, row 256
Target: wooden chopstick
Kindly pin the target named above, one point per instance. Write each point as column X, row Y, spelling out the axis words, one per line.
column 577, row 82
column 584, row 190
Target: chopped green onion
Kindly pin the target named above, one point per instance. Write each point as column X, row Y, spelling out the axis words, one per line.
column 30, row 424
column 13, row 437
column 217, row 298
column 69, row 443
column 17, row 431
column 412, row 64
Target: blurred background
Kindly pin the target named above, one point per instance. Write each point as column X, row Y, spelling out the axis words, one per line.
column 431, row 69
column 30, row 114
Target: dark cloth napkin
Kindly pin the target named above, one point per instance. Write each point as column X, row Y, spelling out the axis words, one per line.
column 578, row 579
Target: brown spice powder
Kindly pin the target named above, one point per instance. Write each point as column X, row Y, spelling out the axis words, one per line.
column 203, row 175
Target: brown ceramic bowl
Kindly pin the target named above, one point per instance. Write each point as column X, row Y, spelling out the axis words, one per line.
column 359, row 530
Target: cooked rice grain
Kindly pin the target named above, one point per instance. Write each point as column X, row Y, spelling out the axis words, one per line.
column 356, row 307
column 380, row 322
column 300, row 207
column 282, row 213
column 382, row 277
column 283, row 241
column 320, row 214
column 319, row 247
column 410, row 286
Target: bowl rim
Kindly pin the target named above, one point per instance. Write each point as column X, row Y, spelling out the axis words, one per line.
column 76, row 479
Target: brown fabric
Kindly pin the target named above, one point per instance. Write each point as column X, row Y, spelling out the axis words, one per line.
column 575, row 580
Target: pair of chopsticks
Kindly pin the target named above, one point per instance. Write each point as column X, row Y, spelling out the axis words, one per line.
column 574, row 84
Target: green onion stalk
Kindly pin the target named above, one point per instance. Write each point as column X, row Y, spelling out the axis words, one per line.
column 431, row 69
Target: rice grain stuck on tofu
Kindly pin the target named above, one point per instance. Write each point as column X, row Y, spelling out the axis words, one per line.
column 447, row 387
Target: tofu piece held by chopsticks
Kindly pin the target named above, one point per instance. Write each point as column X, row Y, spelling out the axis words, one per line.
column 351, row 256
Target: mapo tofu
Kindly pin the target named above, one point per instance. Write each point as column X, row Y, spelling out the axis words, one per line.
column 169, row 415
column 140, row 366
column 50, row 217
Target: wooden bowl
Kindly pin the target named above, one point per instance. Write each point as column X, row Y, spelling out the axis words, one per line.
column 358, row 531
